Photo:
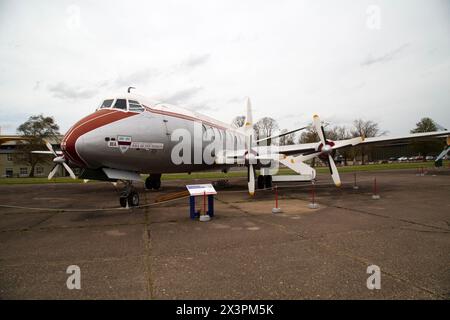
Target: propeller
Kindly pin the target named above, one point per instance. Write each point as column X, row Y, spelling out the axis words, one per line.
column 59, row 161
column 326, row 150
column 251, row 159
column 249, row 155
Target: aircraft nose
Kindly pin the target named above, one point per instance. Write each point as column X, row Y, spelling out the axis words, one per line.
column 72, row 143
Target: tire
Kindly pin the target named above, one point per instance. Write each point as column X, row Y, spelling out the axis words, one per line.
column 148, row 183
column 268, row 181
column 133, row 199
column 123, row 202
column 156, row 184
column 155, row 181
column 260, row 182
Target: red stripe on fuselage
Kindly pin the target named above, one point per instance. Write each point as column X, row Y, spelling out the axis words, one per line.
column 96, row 120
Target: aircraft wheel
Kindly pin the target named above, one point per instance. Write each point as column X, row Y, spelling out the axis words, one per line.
column 148, row 183
column 260, row 182
column 268, row 181
column 123, row 201
column 155, row 180
column 133, row 199
column 156, row 184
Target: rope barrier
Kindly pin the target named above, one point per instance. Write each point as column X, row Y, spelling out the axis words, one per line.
column 157, row 203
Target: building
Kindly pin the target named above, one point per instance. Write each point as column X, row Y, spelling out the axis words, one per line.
column 9, row 168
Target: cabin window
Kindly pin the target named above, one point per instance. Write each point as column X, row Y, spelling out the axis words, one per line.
column 135, row 106
column 107, row 104
column 121, row 104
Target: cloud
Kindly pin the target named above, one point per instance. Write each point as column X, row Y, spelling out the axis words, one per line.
column 182, row 96
column 138, row 77
column 236, row 100
column 63, row 91
column 195, row 60
column 385, row 57
column 202, row 106
column 143, row 76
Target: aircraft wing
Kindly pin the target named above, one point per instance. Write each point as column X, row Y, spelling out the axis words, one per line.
column 307, row 148
column 423, row 136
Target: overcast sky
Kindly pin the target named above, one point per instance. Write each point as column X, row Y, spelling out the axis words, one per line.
column 387, row 61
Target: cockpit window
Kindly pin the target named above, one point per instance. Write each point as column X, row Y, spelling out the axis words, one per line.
column 135, row 106
column 107, row 103
column 121, row 104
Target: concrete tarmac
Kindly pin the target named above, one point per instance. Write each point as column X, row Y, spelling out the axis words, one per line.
column 245, row 252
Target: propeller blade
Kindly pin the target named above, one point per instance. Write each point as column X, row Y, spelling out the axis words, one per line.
column 251, row 179
column 249, row 118
column 309, row 156
column 53, row 172
column 69, row 170
column 42, row 152
column 49, row 147
column 319, row 129
column 442, row 154
column 348, row 142
column 334, row 172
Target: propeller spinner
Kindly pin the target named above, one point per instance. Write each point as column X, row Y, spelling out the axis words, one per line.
column 59, row 161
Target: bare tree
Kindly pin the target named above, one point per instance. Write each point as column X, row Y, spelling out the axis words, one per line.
column 238, row 121
column 365, row 129
column 342, row 133
column 287, row 139
column 265, row 127
column 309, row 135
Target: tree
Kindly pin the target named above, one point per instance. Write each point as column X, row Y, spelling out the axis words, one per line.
column 425, row 125
column 287, row 139
column 238, row 121
column 426, row 147
column 341, row 133
column 365, row 129
column 35, row 130
column 265, row 127
column 309, row 136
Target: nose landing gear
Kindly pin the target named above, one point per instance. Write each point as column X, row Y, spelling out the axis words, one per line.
column 129, row 196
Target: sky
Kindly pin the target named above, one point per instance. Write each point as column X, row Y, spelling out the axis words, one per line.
column 386, row 61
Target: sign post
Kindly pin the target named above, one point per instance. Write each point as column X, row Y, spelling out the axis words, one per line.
column 204, row 190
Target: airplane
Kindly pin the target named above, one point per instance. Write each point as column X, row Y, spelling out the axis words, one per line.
column 129, row 135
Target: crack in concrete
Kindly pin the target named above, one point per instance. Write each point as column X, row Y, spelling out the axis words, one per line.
column 147, row 255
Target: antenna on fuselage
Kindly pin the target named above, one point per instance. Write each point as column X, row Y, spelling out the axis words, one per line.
column 129, row 89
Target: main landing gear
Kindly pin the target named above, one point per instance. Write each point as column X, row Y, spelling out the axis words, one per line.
column 129, row 196
column 153, row 181
column 264, row 181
